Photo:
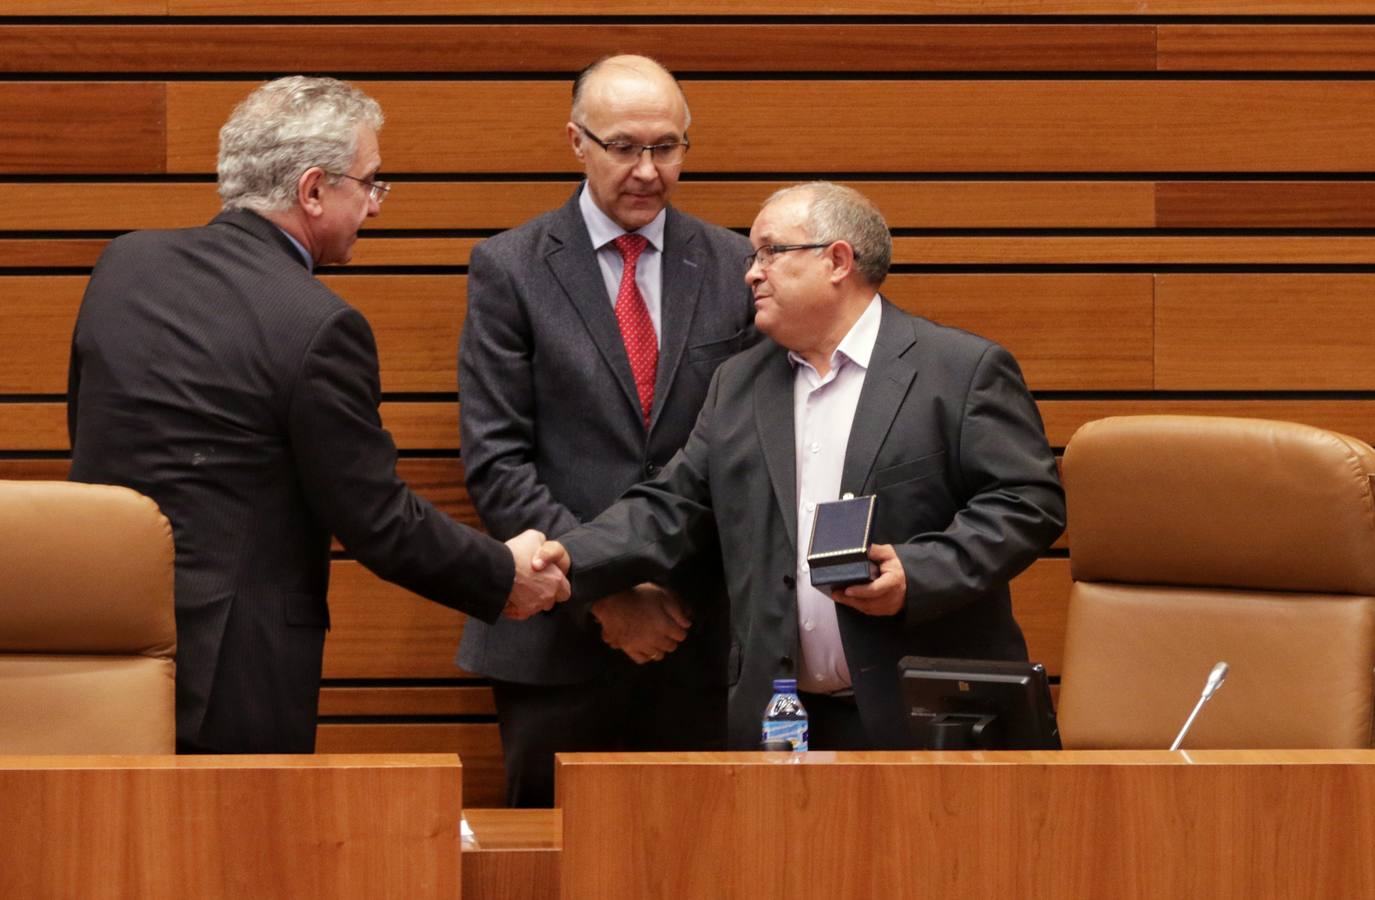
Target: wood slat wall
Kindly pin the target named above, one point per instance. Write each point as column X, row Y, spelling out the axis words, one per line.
column 1157, row 205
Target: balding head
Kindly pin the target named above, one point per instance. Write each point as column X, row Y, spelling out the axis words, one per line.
column 617, row 74
column 622, row 104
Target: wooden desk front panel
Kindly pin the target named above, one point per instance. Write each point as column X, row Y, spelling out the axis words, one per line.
column 283, row 827
column 1049, row 826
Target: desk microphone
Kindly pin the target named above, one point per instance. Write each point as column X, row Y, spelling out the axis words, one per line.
column 1215, row 679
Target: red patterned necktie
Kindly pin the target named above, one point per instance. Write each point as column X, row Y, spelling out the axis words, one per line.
column 637, row 330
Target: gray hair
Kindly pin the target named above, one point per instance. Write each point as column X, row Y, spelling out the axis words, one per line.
column 633, row 63
column 281, row 130
column 839, row 213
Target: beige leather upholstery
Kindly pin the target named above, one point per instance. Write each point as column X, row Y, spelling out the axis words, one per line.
column 1198, row 539
column 87, row 630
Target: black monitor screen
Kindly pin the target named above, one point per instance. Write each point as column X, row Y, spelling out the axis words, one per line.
column 978, row 704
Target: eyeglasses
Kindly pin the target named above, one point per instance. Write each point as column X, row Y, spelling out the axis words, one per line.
column 377, row 190
column 626, row 153
column 765, row 254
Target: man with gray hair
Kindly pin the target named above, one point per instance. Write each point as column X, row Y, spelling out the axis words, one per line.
column 850, row 396
column 211, row 371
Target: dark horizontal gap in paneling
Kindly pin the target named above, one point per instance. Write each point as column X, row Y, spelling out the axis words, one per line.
column 697, row 175
column 1056, row 553
column 400, row 234
column 1126, row 232
column 763, row 19
column 33, row 398
column 419, row 396
column 1203, row 395
column 46, row 270
column 415, row 453
column 34, row 454
column 1136, row 268
column 403, row 682
column 393, row 270
column 471, row 719
column 122, row 177
column 740, row 75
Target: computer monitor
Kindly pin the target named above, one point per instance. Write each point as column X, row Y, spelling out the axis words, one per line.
column 978, row 704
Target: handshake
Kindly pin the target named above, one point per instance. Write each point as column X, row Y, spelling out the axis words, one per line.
column 541, row 575
column 646, row 622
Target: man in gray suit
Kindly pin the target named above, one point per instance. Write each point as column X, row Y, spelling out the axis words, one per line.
column 213, row 372
column 851, row 395
column 591, row 335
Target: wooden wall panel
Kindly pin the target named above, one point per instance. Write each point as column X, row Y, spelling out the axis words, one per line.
column 873, row 126
column 542, row 48
column 1090, row 332
column 1266, row 204
column 36, row 318
column 494, row 205
column 379, row 630
column 1040, row 601
column 478, row 746
column 407, row 701
column 1354, row 417
column 1265, row 332
column 778, row 7
column 50, row 127
column 416, row 319
column 1136, row 250
column 1266, row 48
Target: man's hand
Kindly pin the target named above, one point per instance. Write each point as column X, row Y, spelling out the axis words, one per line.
column 885, row 595
column 646, row 623
column 537, row 587
column 551, row 553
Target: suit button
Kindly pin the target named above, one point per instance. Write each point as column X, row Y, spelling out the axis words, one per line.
column 789, row 582
column 785, row 664
column 651, row 470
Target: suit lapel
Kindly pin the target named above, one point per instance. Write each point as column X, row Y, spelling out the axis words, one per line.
column 886, row 384
column 568, row 253
column 681, row 271
column 773, row 410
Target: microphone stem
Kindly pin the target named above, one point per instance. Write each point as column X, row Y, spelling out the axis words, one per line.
column 1179, row 739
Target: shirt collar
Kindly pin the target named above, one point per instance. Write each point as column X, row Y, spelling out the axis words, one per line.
column 300, row 248
column 603, row 231
column 858, row 344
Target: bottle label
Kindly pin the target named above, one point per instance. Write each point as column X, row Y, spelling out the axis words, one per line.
column 794, row 731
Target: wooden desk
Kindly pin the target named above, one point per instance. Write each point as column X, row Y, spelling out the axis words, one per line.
column 513, row 854
column 230, row 826
column 1049, row 826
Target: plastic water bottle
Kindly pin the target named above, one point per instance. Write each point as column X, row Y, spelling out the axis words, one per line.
column 785, row 720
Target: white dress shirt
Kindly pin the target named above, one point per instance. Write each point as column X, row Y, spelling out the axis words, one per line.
column 823, row 411
column 649, row 268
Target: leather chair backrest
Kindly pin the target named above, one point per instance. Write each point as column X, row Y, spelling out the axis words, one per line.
column 87, row 628
column 1195, row 540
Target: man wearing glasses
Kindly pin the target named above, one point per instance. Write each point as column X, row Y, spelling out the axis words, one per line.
column 850, row 396
column 592, row 332
column 211, row 371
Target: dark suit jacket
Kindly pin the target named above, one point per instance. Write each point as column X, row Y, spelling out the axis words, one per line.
column 552, row 429
column 212, row 372
column 948, row 437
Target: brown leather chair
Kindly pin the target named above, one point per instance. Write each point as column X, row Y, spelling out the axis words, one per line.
column 1199, row 539
column 87, row 631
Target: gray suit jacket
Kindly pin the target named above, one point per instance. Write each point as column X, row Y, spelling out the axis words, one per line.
column 948, row 437
column 212, row 372
column 552, row 429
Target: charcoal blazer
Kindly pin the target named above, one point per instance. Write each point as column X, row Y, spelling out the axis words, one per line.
column 211, row 371
column 552, row 429
column 945, row 434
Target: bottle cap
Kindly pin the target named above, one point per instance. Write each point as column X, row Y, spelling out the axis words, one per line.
column 785, row 685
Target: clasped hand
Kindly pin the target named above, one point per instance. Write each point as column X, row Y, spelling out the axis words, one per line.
column 540, row 575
